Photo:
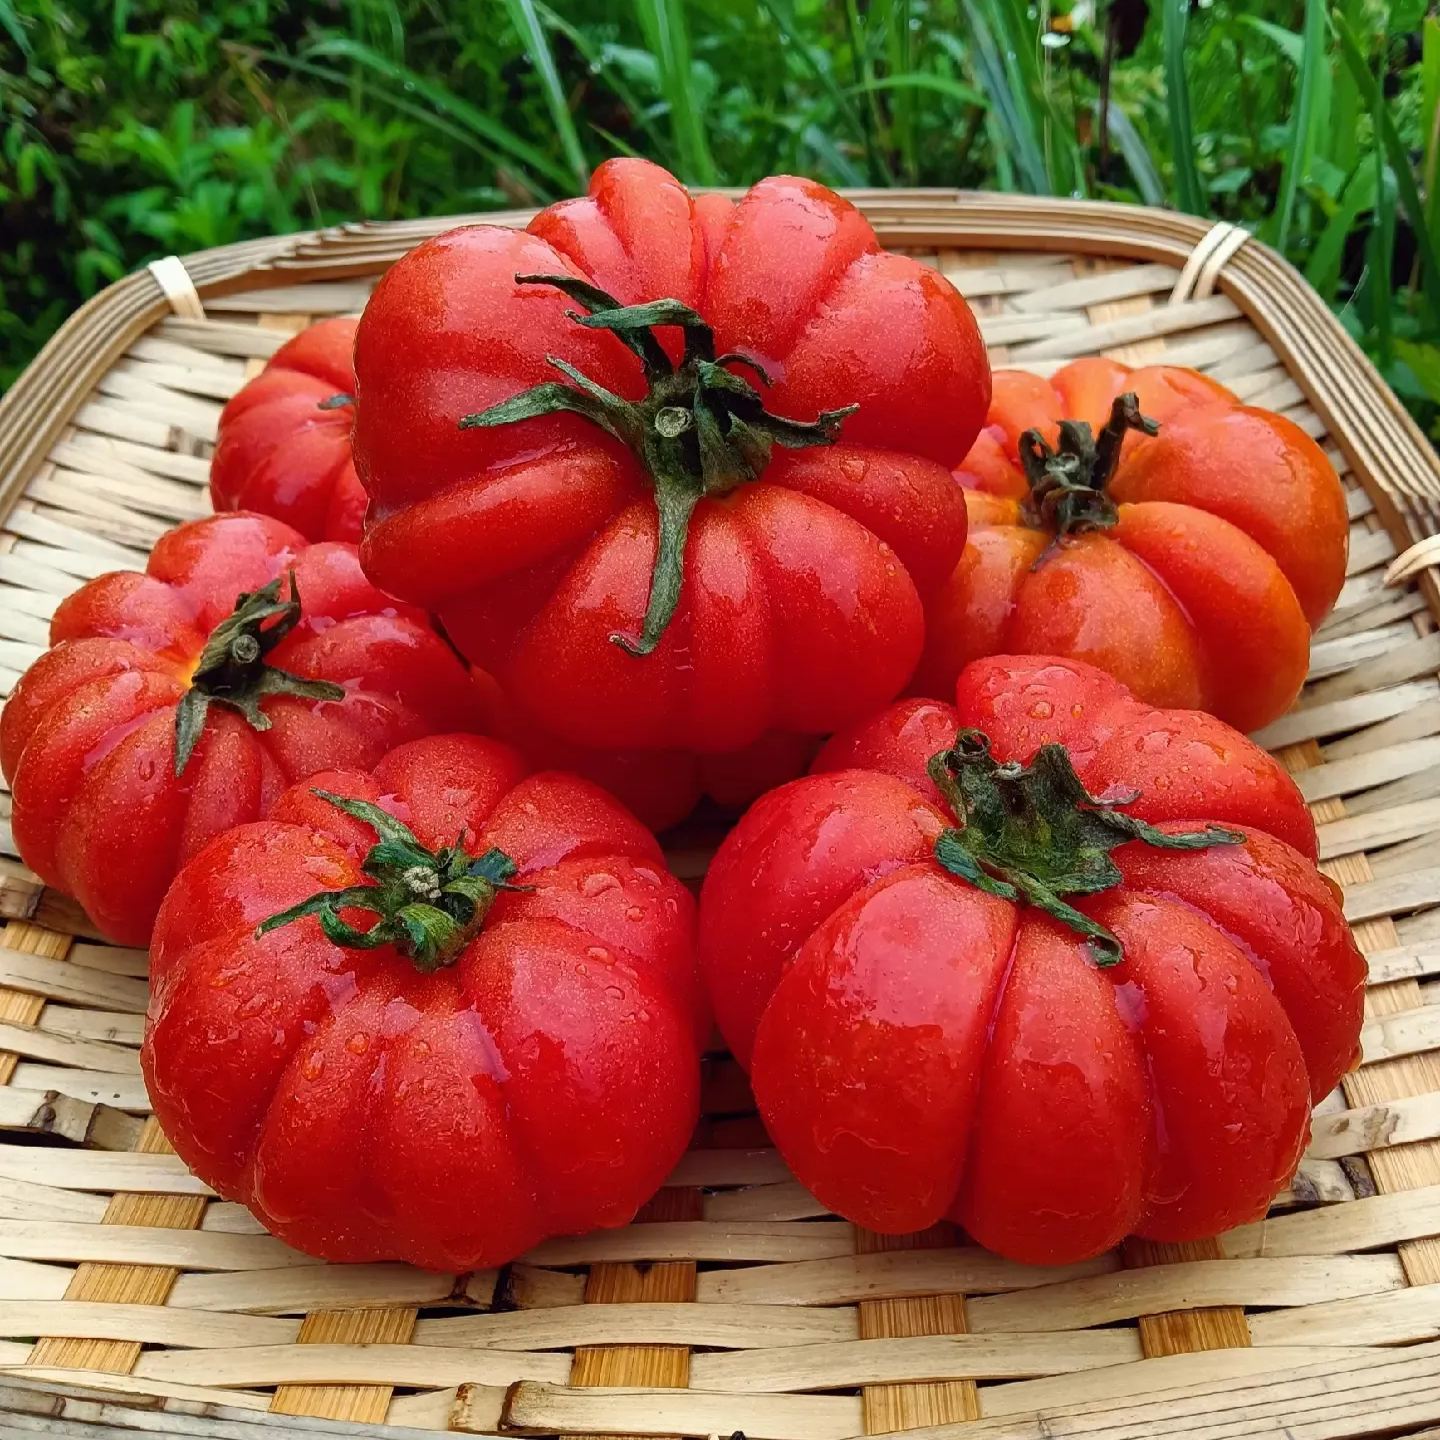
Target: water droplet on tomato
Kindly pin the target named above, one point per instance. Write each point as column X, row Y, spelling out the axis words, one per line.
column 598, row 883
column 251, row 1007
column 358, row 1043
column 635, row 912
column 314, row 1066
column 599, row 954
column 614, row 992
column 1041, row 710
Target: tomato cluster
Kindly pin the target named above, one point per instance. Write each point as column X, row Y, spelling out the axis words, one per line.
column 669, row 496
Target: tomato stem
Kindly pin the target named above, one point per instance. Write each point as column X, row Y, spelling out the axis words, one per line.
column 701, row 430
column 232, row 669
column 1033, row 833
column 1068, row 483
column 429, row 904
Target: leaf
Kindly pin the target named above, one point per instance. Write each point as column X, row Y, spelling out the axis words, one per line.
column 664, row 27
column 1137, row 156
column 1312, row 55
column 525, row 19
column 1392, row 148
column 10, row 23
column 466, row 116
column 921, row 80
column 1327, row 255
column 1174, row 16
column 1423, row 362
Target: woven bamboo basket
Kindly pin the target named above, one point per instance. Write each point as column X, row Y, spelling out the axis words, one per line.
column 131, row 1299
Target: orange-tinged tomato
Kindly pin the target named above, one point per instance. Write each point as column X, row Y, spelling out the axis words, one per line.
column 1192, row 563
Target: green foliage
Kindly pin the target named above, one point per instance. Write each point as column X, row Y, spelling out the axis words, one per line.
column 134, row 128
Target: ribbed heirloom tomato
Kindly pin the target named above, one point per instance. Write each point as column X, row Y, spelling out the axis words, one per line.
column 1191, row 565
column 283, row 446
column 176, row 703
column 435, row 1012
column 1050, row 962
column 619, row 453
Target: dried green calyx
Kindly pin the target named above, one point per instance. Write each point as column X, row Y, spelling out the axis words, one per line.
column 701, row 430
column 232, row 670
column 1068, row 482
column 1033, row 833
column 428, row 904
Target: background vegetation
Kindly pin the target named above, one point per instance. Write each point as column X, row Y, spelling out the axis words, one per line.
column 134, row 128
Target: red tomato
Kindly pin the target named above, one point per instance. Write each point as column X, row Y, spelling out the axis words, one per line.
column 284, row 442
column 176, row 703
column 483, row 1031
column 965, row 988
column 661, row 787
column 1192, row 566
column 695, row 582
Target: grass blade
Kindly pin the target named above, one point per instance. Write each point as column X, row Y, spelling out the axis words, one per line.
column 1391, row 147
column 1297, row 163
column 1137, row 157
column 525, row 19
column 1359, row 195
column 10, row 23
column 1013, row 121
column 444, row 102
column 923, row 80
column 1430, row 119
column 1175, row 15
column 782, row 12
column 663, row 24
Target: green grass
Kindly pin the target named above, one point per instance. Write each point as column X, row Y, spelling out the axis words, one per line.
column 138, row 127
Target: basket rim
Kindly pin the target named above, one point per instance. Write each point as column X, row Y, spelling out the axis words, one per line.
column 950, row 220
column 1385, row 448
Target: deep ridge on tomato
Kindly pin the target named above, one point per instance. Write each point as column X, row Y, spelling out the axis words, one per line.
column 541, row 1080
column 283, row 443
column 1222, row 542
column 922, row 1045
column 88, row 739
column 800, row 602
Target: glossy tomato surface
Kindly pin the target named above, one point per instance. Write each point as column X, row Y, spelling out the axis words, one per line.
column 1228, row 547
column 88, row 738
column 922, row 1049
column 800, row 606
column 283, row 446
column 542, row 1082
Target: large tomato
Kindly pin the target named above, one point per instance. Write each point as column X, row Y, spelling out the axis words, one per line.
column 1049, row 962
column 1192, row 565
column 617, row 453
column 176, row 703
column 482, row 1031
column 283, row 446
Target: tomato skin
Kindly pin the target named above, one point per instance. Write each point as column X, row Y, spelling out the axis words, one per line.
column 922, row 1050
column 87, row 741
column 543, row 1084
column 1229, row 548
column 801, row 606
column 278, row 452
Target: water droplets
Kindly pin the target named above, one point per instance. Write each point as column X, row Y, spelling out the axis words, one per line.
column 635, row 913
column 358, row 1043
column 598, row 883
column 252, row 1006
column 1041, row 710
column 313, row 1066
